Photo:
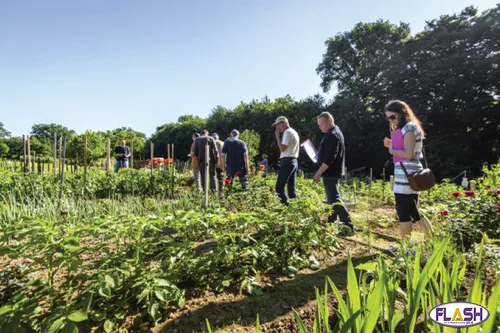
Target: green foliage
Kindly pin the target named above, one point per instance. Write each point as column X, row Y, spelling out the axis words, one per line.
column 180, row 134
column 490, row 178
column 469, row 217
column 252, row 139
column 370, row 302
column 3, row 132
column 129, row 135
column 96, row 147
column 4, row 149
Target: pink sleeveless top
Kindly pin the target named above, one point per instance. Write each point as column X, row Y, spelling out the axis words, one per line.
column 398, row 143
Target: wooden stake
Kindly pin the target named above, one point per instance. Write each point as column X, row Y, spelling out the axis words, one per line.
column 24, row 153
column 55, row 153
column 63, row 161
column 132, row 154
column 168, row 152
column 28, row 151
column 391, row 181
column 85, row 148
column 108, row 153
column 207, row 173
column 152, row 156
column 371, row 174
column 60, row 154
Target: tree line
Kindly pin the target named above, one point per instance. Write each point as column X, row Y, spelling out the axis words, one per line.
column 448, row 73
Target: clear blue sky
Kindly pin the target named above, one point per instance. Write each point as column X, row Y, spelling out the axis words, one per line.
column 111, row 63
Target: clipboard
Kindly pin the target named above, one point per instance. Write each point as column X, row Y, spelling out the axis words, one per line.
column 310, row 150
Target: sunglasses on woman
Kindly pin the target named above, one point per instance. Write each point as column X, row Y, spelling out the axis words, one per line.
column 392, row 117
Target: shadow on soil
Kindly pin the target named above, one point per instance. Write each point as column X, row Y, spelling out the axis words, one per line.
column 276, row 301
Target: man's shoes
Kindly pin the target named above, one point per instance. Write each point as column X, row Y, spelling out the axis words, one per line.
column 392, row 250
column 345, row 230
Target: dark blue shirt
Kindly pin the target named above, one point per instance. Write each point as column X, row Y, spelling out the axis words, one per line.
column 235, row 151
column 122, row 150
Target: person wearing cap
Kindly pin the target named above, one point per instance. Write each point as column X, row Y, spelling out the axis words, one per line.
column 331, row 161
column 195, row 164
column 218, row 168
column 289, row 148
column 235, row 158
column 213, row 159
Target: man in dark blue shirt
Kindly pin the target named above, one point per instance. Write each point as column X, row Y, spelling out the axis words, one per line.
column 122, row 153
column 213, row 159
column 235, row 158
column 331, row 161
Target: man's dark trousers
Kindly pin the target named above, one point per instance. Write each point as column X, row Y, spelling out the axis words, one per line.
column 331, row 185
column 287, row 175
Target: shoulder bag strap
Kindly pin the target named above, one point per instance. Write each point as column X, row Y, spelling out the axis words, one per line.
column 404, row 169
column 425, row 158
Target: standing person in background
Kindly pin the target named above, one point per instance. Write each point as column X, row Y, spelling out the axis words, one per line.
column 289, row 148
column 331, row 161
column 403, row 122
column 122, row 153
column 195, row 164
column 219, row 169
column 235, row 158
column 213, row 159
column 265, row 162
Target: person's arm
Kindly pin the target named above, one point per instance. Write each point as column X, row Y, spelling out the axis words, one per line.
column 223, row 153
column 215, row 151
column 282, row 144
column 196, row 148
column 129, row 153
column 245, row 157
column 409, row 151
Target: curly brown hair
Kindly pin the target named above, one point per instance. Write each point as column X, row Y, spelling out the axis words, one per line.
column 407, row 115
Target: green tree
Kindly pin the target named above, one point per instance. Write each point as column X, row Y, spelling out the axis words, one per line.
column 46, row 131
column 179, row 134
column 4, row 149
column 3, row 132
column 15, row 145
column 96, row 147
column 127, row 134
column 252, row 140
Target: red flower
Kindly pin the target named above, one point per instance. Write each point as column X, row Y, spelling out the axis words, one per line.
column 498, row 206
column 238, row 174
column 261, row 168
column 228, row 181
column 444, row 212
column 456, row 194
column 470, row 194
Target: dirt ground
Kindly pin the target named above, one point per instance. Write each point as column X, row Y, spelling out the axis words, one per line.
column 237, row 313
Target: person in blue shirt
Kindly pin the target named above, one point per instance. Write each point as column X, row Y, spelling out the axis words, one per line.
column 235, row 158
column 122, row 153
column 265, row 162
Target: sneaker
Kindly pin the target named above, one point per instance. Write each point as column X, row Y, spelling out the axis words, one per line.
column 392, row 250
column 346, row 231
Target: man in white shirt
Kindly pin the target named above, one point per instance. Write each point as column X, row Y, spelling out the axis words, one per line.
column 289, row 147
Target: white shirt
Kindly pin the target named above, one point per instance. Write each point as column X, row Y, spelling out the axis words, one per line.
column 291, row 140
